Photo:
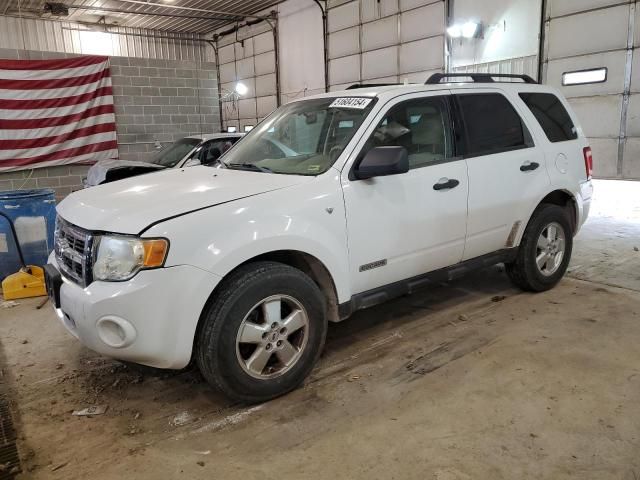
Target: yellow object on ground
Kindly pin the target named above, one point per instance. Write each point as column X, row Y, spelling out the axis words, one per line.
column 28, row 282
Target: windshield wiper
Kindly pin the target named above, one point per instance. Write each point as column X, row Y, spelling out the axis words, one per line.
column 249, row 166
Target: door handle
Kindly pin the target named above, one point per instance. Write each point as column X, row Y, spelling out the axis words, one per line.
column 529, row 166
column 446, row 184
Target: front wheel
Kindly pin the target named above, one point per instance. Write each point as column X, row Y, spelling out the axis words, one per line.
column 545, row 250
column 262, row 332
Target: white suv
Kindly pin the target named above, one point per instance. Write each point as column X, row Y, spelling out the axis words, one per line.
column 333, row 203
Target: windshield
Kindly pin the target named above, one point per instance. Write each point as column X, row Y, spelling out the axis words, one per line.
column 171, row 155
column 301, row 138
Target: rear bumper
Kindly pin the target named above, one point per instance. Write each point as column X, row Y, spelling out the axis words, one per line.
column 150, row 319
column 584, row 203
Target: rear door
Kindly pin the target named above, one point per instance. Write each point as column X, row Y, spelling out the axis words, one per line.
column 507, row 173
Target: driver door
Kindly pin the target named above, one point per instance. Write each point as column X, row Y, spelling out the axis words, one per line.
column 401, row 226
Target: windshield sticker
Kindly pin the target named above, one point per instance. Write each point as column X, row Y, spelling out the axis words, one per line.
column 351, row 102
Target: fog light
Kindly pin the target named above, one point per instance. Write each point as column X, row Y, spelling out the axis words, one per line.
column 116, row 332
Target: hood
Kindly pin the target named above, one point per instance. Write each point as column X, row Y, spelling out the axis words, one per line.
column 98, row 172
column 132, row 204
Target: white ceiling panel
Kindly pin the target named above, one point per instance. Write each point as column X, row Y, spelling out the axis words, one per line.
column 266, row 85
column 341, row 86
column 587, row 32
column 409, row 4
column 344, row 70
column 631, row 167
column 381, row 33
column 227, row 72
column 345, row 42
column 344, row 16
column 605, row 156
column 599, row 116
column 635, row 78
column 244, row 68
column 422, row 22
column 263, row 43
column 380, row 63
column 266, row 105
column 244, row 49
column 422, row 55
column 265, row 63
column 613, row 61
column 392, row 79
column 419, row 77
column 375, row 9
column 225, row 54
column 566, row 7
column 633, row 117
column 247, row 107
column 636, row 40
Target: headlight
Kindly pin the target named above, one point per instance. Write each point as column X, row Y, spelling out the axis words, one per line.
column 119, row 258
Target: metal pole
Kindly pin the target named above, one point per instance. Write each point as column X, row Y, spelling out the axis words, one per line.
column 325, row 44
column 543, row 22
column 214, row 45
column 448, row 8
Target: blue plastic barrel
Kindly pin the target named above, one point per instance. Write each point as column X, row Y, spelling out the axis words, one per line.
column 33, row 213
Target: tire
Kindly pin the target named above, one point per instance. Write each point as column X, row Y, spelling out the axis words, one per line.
column 524, row 271
column 253, row 297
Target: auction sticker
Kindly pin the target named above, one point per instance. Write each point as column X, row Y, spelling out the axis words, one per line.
column 351, row 102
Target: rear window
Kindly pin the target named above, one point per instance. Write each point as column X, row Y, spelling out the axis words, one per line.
column 492, row 125
column 552, row 116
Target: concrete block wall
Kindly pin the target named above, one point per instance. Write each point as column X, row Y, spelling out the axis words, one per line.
column 63, row 179
column 162, row 101
column 156, row 101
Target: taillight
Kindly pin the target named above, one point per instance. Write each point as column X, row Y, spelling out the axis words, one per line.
column 588, row 161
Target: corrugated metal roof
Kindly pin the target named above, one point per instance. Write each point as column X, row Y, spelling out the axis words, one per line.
column 172, row 19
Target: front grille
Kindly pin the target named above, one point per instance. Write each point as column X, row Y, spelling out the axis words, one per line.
column 73, row 252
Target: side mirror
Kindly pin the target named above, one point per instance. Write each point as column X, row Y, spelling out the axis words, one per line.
column 192, row 162
column 383, row 161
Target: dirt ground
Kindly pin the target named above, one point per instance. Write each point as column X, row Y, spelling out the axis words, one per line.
column 470, row 380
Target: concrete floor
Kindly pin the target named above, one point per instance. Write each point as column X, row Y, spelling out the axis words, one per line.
column 471, row 380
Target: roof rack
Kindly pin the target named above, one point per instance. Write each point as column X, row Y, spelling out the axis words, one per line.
column 477, row 77
column 371, row 85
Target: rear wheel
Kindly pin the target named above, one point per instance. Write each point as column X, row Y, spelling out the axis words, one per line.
column 262, row 332
column 545, row 250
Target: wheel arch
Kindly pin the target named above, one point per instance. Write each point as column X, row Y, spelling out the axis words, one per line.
column 311, row 266
column 561, row 197
column 305, row 262
column 565, row 199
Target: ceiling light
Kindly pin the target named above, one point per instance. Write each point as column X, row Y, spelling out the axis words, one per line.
column 454, row 31
column 241, row 88
column 469, row 29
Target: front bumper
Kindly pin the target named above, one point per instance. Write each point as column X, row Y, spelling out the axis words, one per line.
column 150, row 319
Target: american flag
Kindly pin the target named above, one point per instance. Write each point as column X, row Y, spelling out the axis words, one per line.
column 55, row 112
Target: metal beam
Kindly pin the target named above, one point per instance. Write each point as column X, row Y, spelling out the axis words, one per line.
column 153, row 14
column 193, row 9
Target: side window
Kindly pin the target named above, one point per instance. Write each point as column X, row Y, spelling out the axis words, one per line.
column 552, row 116
column 422, row 126
column 212, row 150
column 492, row 124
